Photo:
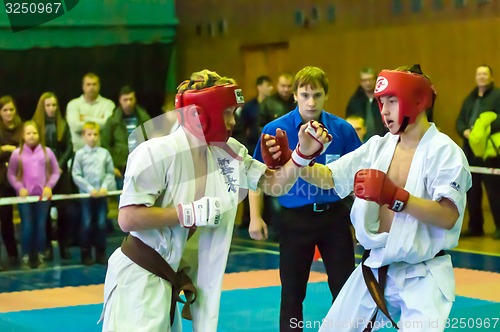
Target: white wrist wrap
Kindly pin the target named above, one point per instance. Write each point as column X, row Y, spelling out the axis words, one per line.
column 299, row 160
column 204, row 212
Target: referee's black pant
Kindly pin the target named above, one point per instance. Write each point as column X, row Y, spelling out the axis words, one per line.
column 301, row 230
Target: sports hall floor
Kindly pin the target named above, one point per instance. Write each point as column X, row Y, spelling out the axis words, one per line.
column 66, row 296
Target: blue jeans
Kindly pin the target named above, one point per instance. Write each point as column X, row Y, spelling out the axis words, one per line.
column 33, row 218
column 93, row 229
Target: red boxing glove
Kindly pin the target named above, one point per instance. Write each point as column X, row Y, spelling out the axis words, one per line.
column 286, row 153
column 374, row 185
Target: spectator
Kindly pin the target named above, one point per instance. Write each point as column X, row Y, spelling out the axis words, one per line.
column 33, row 171
column 279, row 103
column 358, row 123
column 115, row 134
column 55, row 130
column 247, row 129
column 90, row 106
column 93, row 173
column 362, row 103
column 11, row 128
column 483, row 98
column 273, row 107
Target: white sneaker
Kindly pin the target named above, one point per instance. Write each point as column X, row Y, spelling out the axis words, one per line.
column 53, row 213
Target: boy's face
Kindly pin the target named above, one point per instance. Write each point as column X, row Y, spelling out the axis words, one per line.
column 310, row 102
column 359, row 126
column 390, row 113
column 229, row 120
column 91, row 137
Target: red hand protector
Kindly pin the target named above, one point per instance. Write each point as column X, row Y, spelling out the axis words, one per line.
column 267, row 156
column 374, row 185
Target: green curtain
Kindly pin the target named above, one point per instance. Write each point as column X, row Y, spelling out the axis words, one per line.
column 123, row 41
column 97, row 23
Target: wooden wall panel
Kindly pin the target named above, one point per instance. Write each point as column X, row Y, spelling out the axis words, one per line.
column 449, row 43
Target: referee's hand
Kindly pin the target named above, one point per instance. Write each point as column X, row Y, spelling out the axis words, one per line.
column 257, row 229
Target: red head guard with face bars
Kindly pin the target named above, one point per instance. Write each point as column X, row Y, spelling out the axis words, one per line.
column 414, row 92
column 205, row 118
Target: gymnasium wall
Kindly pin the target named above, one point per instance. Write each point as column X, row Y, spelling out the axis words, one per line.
column 245, row 39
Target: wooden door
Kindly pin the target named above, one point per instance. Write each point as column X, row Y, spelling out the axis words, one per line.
column 262, row 59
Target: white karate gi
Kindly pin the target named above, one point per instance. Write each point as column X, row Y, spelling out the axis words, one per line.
column 420, row 287
column 160, row 172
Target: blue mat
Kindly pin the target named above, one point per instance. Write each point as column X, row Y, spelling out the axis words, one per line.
column 247, row 310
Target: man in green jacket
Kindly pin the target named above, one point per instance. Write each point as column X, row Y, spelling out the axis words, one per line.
column 115, row 136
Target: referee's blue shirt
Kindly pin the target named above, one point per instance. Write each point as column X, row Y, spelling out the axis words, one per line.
column 344, row 141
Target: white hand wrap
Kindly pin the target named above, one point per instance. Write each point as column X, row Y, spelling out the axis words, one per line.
column 312, row 131
column 302, row 160
column 204, row 212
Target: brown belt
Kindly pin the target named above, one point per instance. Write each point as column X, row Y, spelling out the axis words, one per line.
column 376, row 289
column 150, row 260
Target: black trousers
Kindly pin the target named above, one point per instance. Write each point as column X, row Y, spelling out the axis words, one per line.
column 7, row 222
column 475, row 194
column 301, row 230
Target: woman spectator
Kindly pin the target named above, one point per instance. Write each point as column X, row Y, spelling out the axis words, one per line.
column 10, row 135
column 55, row 130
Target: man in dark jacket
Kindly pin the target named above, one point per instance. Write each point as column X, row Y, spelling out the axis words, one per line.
column 115, row 136
column 279, row 103
column 247, row 129
column 364, row 105
column 483, row 98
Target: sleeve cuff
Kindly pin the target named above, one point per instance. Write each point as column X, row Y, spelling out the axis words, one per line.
column 127, row 199
column 451, row 194
column 254, row 173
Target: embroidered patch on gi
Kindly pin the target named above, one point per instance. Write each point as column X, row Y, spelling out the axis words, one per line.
column 226, row 170
column 455, row 186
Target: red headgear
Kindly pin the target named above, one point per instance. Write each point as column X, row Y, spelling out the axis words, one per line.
column 205, row 118
column 414, row 91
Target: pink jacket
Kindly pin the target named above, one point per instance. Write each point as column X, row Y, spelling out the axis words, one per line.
column 35, row 176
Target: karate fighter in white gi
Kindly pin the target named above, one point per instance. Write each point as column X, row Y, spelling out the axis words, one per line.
column 410, row 188
column 190, row 179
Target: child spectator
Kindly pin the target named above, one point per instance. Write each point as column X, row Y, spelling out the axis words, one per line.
column 33, row 171
column 93, row 172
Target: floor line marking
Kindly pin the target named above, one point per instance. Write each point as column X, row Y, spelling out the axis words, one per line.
column 470, row 251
